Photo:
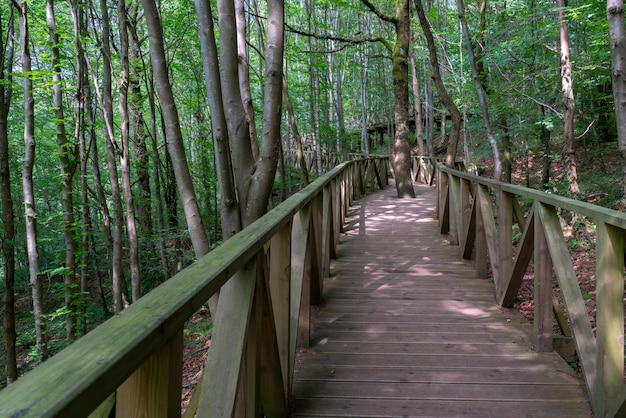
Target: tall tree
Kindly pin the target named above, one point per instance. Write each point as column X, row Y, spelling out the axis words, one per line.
column 8, row 220
column 175, row 146
column 480, row 92
column 30, row 211
column 617, row 34
column 112, row 148
column 567, row 87
column 441, row 89
column 401, row 156
column 67, row 166
column 131, row 224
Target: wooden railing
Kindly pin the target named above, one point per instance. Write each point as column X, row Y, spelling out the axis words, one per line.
column 267, row 275
column 479, row 215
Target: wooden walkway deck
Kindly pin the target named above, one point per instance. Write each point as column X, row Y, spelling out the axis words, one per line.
column 407, row 330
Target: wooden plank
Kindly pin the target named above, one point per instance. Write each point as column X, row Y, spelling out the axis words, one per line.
column 350, row 407
column 572, row 296
column 280, row 289
column 299, row 280
column 505, row 237
column 218, row 393
column 491, row 234
column 609, row 314
column 155, row 388
column 470, row 231
column 542, row 290
column 523, row 257
column 454, row 190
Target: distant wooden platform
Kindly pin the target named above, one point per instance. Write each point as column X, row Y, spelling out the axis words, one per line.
column 406, row 330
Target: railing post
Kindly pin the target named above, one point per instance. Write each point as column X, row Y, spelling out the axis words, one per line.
column 609, row 315
column 505, row 229
column 542, row 290
column 454, row 197
column 466, row 212
column 155, row 388
column 482, row 251
column 315, row 249
column 300, row 288
column 280, row 290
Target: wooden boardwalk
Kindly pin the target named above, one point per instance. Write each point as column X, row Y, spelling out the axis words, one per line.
column 407, row 330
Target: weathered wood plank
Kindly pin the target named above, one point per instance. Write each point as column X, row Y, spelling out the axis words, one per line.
column 572, row 296
column 610, row 313
column 366, row 408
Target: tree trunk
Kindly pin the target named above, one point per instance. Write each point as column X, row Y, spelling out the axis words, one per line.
column 567, row 86
column 480, row 93
column 123, row 83
column 142, row 156
column 617, row 34
column 67, row 173
column 244, row 75
column 296, row 133
column 8, row 237
column 112, row 148
column 417, row 106
column 199, row 238
column 401, row 152
column 79, row 24
column 229, row 207
column 441, row 89
column 263, row 178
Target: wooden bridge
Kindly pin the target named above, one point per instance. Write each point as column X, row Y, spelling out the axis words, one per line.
column 402, row 324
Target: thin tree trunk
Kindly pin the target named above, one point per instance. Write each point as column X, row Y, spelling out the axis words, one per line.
column 199, row 238
column 143, row 201
column 441, row 89
column 67, row 173
column 417, row 106
column 79, row 138
column 296, row 133
column 131, row 225
column 480, row 93
column 8, row 237
column 112, row 148
column 229, row 207
column 567, row 86
column 244, row 75
column 617, row 35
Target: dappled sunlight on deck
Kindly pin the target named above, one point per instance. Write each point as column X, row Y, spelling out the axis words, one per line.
column 406, row 329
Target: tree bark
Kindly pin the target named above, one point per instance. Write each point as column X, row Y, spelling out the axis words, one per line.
column 296, row 133
column 142, row 156
column 67, row 172
column 244, row 75
column 567, row 86
column 441, row 89
column 617, row 35
column 131, row 224
column 8, row 237
column 480, row 93
column 112, row 148
column 229, row 207
column 417, row 106
column 401, row 153
column 199, row 238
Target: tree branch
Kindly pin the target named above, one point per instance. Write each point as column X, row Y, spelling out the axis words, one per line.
column 350, row 41
column 378, row 13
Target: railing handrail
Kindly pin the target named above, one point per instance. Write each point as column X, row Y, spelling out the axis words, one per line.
column 78, row 379
column 466, row 212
